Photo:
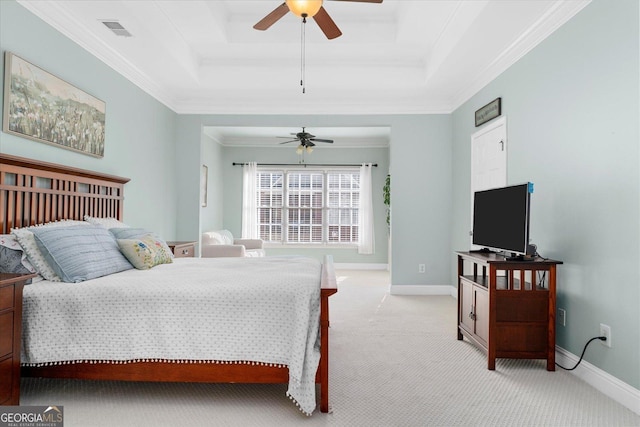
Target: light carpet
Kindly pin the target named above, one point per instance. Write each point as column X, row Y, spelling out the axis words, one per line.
column 395, row 361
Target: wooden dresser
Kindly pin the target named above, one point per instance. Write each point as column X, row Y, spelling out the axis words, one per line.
column 11, row 286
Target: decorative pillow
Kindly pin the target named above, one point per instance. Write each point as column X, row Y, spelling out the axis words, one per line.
column 28, row 243
column 80, row 253
column 10, row 261
column 145, row 252
column 138, row 233
column 12, row 257
column 105, row 222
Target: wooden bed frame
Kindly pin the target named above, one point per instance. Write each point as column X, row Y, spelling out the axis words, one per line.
column 34, row 192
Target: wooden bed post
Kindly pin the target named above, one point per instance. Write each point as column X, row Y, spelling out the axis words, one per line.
column 328, row 288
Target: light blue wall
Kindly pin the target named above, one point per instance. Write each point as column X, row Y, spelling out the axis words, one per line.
column 211, row 216
column 140, row 131
column 421, row 200
column 572, row 110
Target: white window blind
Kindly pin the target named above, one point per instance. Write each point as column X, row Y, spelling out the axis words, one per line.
column 270, row 196
column 344, row 196
column 308, row 207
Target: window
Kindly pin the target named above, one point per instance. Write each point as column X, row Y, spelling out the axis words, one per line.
column 308, row 207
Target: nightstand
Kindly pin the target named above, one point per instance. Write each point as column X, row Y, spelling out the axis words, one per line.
column 11, row 286
column 182, row 249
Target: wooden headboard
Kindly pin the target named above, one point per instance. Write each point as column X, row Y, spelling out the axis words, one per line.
column 35, row 192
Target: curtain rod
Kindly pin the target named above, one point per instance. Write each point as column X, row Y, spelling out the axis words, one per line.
column 375, row 165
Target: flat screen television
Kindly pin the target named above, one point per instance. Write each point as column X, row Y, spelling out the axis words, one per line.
column 501, row 218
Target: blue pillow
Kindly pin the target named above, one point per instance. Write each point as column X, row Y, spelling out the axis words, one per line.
column 129, row 232
column 78, row 253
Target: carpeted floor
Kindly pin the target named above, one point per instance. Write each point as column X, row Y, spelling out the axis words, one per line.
column 395, row 361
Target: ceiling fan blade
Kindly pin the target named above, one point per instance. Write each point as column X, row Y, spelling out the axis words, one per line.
column 286, row 142
column 272, row 18
column 326, row 24
column 363, row 1
column 322, row 140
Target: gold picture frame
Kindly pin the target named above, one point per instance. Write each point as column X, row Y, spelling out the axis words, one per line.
column 44, row 108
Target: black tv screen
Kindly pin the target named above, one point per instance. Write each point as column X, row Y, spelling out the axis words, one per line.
column 501, row 218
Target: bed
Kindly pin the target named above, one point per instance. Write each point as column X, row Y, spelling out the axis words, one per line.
column 35, row 192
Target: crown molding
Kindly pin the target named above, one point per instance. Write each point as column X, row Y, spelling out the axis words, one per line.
column 557, row 15
column 55, row 15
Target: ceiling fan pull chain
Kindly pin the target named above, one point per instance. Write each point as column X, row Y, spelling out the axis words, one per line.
column 302, row 53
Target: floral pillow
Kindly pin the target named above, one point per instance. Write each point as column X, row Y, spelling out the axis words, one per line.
column 138, row 233
column 145, row 252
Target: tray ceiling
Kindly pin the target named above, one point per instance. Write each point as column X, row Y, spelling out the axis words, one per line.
column 396, row 57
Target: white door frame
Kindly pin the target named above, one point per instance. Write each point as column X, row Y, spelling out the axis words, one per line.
column 494, row 132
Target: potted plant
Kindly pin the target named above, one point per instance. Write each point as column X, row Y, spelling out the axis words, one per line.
column 386, row 192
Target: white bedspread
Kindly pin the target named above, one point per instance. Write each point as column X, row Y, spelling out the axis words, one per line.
column 263, row 310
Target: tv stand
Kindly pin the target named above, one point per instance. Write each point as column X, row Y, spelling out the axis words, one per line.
column 508, row 308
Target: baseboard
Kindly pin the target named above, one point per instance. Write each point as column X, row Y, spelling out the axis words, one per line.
column 604, row 382
column 360, row 266
column 422, row 290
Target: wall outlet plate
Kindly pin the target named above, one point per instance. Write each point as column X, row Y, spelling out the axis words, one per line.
column 605, row 331
column 562, row 317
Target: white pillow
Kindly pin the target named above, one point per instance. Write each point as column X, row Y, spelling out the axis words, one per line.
column 105, row 222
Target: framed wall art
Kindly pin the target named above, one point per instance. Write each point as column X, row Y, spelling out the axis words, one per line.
column 45, row 108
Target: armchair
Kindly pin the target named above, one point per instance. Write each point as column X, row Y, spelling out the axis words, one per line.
column 221, row 243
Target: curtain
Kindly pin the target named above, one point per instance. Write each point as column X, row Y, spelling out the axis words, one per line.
column 249, row 201
column 365, row 210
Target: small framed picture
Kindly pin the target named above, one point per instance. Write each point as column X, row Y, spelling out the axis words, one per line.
column 489, row 112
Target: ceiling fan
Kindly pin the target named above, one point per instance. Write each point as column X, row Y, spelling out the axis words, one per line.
column 305, row 139
column 306, row 9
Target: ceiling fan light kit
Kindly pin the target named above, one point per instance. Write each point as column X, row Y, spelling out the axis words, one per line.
column 304, row 8
column 306, row 141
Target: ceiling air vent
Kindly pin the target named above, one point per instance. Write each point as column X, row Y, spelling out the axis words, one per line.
column 117, row 28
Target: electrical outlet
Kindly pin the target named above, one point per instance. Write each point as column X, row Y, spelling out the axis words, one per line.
column 562, row 317
column 605, row 331
column 421, row 268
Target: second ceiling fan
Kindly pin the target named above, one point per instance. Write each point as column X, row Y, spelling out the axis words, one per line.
column 306, row 9
column 305, row 139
